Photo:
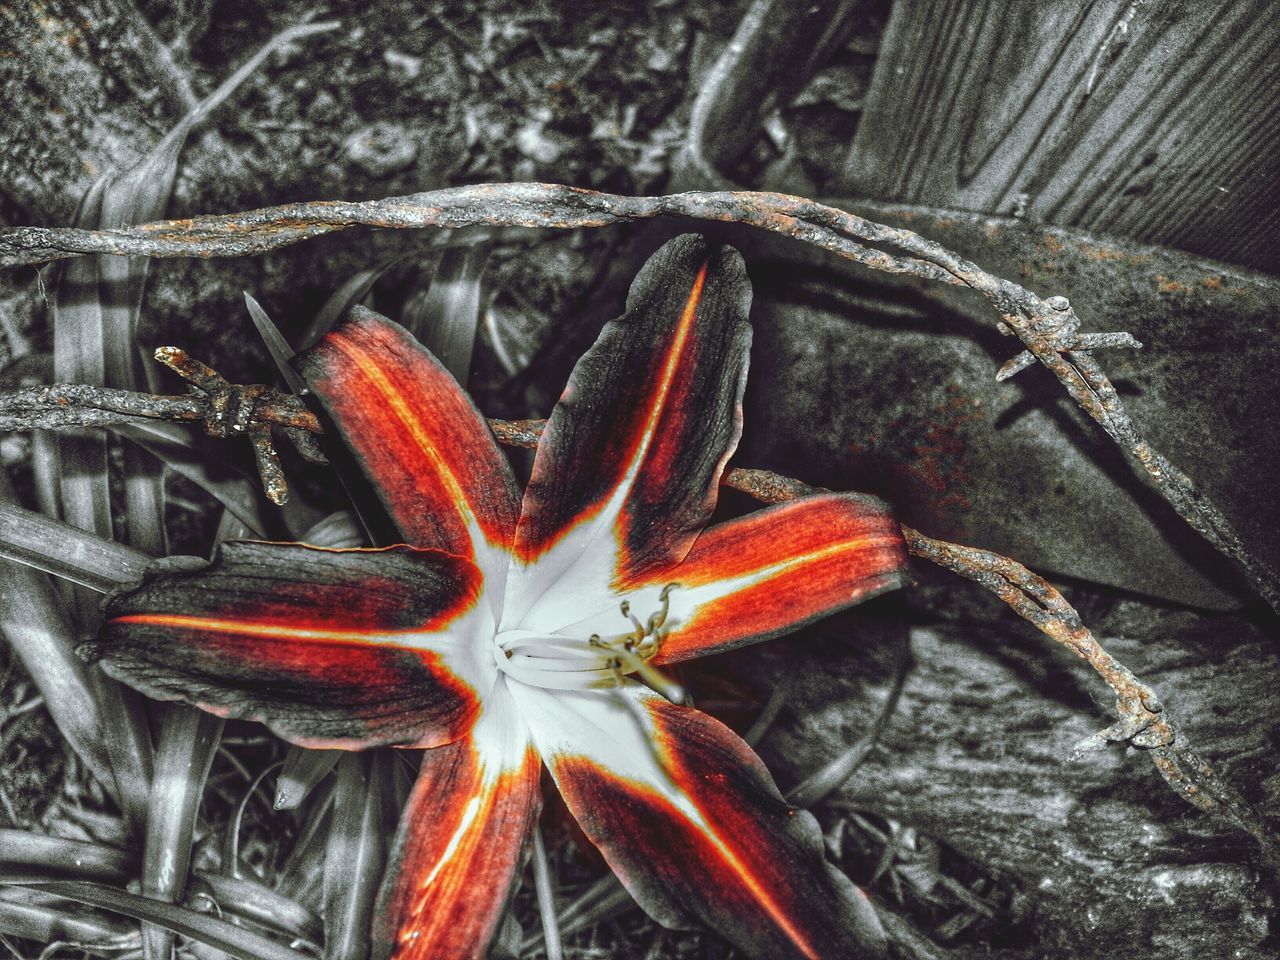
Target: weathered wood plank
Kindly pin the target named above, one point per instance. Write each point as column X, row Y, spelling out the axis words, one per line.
column 1156, row 121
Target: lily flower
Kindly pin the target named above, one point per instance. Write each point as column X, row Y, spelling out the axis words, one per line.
column 508, row 632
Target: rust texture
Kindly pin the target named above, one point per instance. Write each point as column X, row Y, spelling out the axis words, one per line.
column 1049, row 329
column 518, row 433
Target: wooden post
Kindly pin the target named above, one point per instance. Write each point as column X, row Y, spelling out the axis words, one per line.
column 1155, row 121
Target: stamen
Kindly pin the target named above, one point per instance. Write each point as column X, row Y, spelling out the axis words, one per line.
column 636, row 662
column 640, row 628
column 559, row 662
column 660, row 683
column 658, row 619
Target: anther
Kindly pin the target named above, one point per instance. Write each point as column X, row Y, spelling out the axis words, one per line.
column 659, row 618
column 640, row 631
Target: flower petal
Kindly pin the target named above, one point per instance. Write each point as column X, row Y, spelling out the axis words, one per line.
column 419, row 439
column 691, row 822
column 626, row 470
column 329, row 648
column 767, row 574
column 460, row 844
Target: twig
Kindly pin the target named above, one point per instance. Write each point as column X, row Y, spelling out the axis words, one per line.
column 1142, row 719
column 1049, row 329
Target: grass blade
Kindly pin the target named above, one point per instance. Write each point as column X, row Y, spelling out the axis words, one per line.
column 188, row 740
column 46, row 468
column 446, row 318
column 355, row 855
column 46, row 923
column 340, row 301
column 80, row 356
column 302, row 874
column 605, row 898
column 34, row 622
column 237, row 490
column 251, row 900
column 279, row 348
column 227, row 937
column 338, row 529
column 231, row 834
column 68, row 552
column 24, row 852
column 546, row 898
column 137, row 197
column 230, row 527
column 303, row 769
column 128, row 740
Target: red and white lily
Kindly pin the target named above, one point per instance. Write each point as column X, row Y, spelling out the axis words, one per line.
column 514, row 632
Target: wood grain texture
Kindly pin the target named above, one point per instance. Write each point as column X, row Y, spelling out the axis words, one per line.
column 1156, row 121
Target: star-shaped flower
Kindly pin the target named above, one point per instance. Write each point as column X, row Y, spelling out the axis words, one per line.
column 510, row 633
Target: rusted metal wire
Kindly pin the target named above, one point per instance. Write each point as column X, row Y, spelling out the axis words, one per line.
column 1049, row 329
column 62, row 406
column 224, row 409
column 1142, row 720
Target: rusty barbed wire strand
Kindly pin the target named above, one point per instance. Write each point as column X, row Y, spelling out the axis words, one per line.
column 1049, row 329
column 223, row 408
column 61, row 406
column 1142, row 719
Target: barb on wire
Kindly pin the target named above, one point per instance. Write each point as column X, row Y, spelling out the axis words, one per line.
column 1048, row 329
column 225, row 409
column 232, row 410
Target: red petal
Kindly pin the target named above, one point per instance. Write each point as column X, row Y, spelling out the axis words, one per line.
column 335, row 648
column 691, row 822
column 419, row 438
column 459, row 847
column 628, row 464
column 773, row 571
column 766, row 574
